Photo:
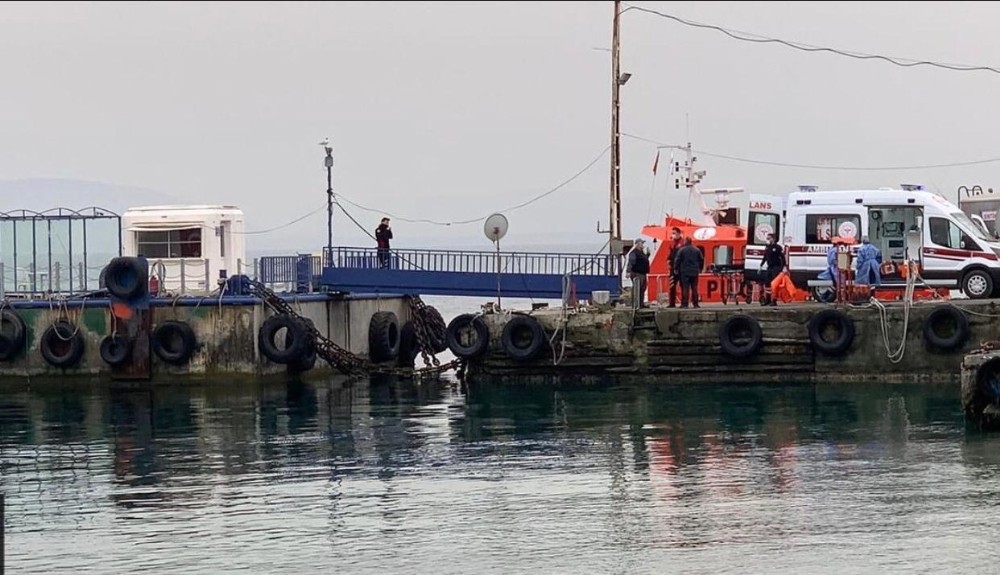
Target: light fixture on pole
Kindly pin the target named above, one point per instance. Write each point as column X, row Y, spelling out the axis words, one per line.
column 328, row 162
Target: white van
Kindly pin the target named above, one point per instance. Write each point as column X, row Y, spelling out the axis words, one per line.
column 952, row 250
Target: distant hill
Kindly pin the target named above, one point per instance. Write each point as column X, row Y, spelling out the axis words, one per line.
column 41, row 194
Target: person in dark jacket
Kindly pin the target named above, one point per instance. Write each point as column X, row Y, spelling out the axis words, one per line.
column 383, row 233
column 675, row 276
column 773, row 264
column 690, row 262
column 637, row 268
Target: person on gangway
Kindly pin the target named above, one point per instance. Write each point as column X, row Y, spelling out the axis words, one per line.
column 383, row 233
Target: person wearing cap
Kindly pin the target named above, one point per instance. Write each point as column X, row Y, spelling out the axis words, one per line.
column 637, row 268
column 383, row 233
column 773, row 264
column 677, row 242
column 867, row 264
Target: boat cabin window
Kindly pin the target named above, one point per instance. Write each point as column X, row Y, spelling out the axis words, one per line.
column 822, row 228
column 184, row 243
column 946, row 233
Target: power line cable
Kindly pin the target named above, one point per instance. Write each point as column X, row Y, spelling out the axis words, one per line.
column 285, row 225
column 479, row 219
column 757, row 38
column 819, row 167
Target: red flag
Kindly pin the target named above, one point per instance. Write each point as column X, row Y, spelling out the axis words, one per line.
column 656, row 162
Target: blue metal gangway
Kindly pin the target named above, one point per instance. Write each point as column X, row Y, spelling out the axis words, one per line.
column 470, row 273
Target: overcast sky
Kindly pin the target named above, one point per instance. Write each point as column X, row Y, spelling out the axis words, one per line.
column 449, row 111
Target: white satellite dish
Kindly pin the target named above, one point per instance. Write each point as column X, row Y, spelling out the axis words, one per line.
column 495, row 227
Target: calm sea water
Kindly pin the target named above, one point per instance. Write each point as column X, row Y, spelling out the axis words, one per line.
column 391, row 476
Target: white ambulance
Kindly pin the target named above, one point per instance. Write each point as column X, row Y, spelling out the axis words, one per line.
column 909, row 222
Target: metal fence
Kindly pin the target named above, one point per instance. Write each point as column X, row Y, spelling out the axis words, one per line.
column 289, row 273
column 474, row 262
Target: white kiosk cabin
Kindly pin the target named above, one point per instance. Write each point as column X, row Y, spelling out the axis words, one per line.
column 187, row 246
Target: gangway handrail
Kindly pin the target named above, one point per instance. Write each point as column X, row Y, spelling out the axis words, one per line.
column 475, row 261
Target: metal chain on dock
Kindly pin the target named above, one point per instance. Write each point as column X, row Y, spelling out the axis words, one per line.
column 354, row 365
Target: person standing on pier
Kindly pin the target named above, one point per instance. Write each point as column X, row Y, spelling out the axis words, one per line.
column 383, row 233
column 774, row 264
column 637, row 268
column 675, row 276
column 690, row 262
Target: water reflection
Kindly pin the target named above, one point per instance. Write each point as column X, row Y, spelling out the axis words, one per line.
column 389, row 475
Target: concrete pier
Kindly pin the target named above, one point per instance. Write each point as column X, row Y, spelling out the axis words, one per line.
column 225, row 331
column 683, row 345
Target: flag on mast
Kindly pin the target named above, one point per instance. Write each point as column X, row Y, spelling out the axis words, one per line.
column 656, row 162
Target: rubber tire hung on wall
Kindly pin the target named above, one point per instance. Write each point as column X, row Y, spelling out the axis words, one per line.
column 437, row 329
column 296, row 339
column 307, row 359
column 13, row 335
column 733, row 328
column 62, row 344
column 383, row 336
column 116, row 350
column 480, row 336
column 173, row 342
column 946, row 342
column 125, row 278
column 845, row 328
column 409, row 348
column 523, row 338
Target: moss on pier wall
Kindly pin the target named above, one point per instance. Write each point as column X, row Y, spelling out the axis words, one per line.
column 226, row 335
column 683, row 345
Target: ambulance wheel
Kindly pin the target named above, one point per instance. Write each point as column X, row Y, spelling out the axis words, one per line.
column 824, row 294
column 977, row 284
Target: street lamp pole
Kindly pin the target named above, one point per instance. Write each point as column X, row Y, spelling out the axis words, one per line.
column 329, row 201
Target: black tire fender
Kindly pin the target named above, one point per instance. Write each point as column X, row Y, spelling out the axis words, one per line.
column 944, row 342
column 126, row 278
column 62, row 344
column 437, row 329
column 522, row 338
column 296, row 339
column 173, row 342
column 307, row 360
column 13, row 333
column 845, row 329
column 383, row 336
column 480, row 340
column 733, row 328
column 115, row 350
column 409, row 348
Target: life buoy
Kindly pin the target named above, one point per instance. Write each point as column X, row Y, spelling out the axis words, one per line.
column 383, row 336
column 174, row 342
column 740, row 336
column 409, row 348
column 13, row 335
column 522, row 338
column 468, row 337
column 296, row 339
column 62, row 344
column 843, row 325
column 115, row 350
column 936, row 328
column 126, row 278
